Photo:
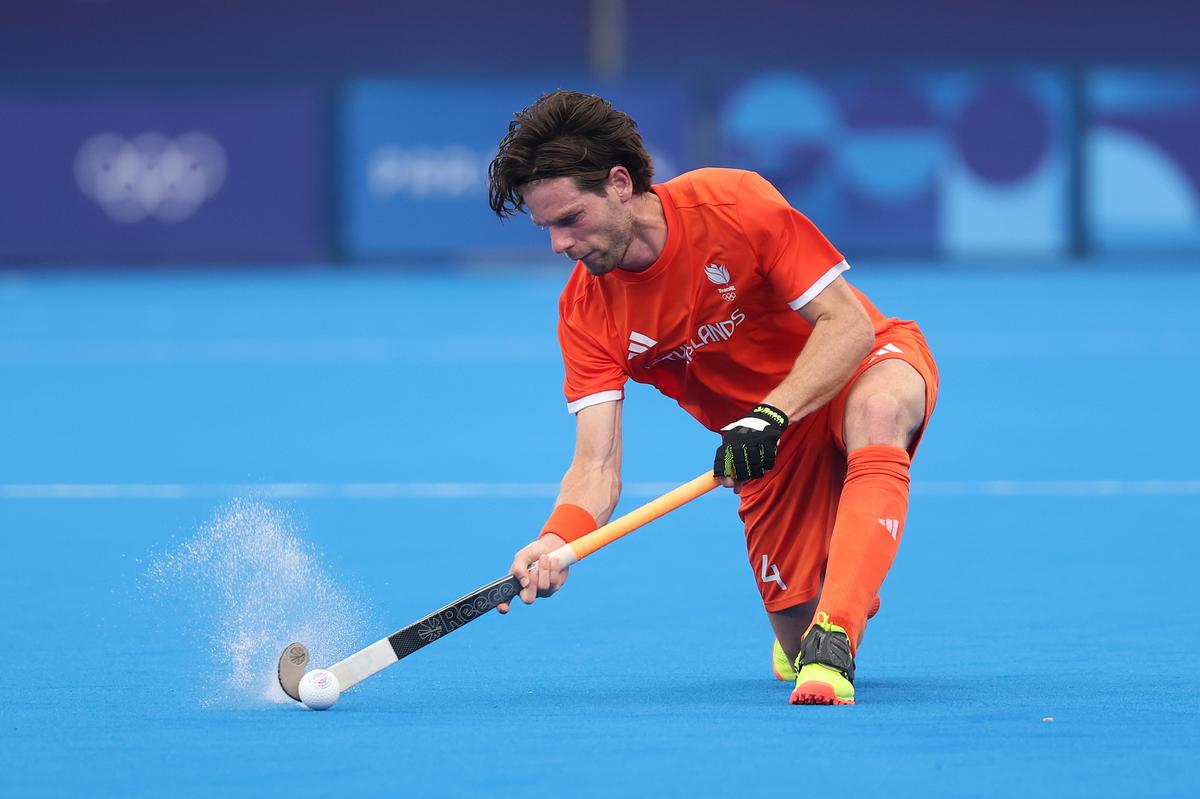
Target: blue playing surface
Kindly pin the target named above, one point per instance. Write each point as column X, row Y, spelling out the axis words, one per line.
column 1047, row 569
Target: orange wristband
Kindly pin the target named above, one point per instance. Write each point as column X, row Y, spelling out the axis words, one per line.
column 569, row 522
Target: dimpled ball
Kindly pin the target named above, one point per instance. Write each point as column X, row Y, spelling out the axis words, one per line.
column 319, row 689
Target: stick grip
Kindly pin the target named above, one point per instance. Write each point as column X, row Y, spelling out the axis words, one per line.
column 585, row 545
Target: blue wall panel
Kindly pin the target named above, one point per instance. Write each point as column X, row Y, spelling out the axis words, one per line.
column 1142, row 161
column 954, row 163
column 415, row 157
column 137, row 176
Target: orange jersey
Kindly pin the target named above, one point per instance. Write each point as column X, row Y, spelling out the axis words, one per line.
column 712, row 323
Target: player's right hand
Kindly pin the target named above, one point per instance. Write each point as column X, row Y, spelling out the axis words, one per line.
column 545, row 579
column 748, row 446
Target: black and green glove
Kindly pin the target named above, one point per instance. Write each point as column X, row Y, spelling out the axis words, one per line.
column 748, row 446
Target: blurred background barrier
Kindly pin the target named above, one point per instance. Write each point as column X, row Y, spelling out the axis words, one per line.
column 415, row 156
column 1142, row 161
column 950, row 163
column 133, row 130
column 163, row 176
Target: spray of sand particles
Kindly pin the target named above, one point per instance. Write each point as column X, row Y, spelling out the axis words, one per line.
column 253, row 586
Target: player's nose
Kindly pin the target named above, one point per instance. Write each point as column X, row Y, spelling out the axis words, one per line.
column 560, row 242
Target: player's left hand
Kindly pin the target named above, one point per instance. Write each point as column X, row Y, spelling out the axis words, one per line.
column 546, row 578
column 748, row 446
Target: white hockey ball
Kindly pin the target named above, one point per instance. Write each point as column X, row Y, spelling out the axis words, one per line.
column 319, row 689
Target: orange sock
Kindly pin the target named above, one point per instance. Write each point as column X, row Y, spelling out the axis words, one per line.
column 866, row 534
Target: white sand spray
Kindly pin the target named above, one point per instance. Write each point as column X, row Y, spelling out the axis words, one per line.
column 254, row 587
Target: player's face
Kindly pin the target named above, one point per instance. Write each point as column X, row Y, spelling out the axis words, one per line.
column 593, row 228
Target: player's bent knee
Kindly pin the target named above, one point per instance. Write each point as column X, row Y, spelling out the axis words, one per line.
column 880, row 418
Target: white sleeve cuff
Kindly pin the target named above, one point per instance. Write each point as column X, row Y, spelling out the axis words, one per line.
column 821, row 284
column 594, row 399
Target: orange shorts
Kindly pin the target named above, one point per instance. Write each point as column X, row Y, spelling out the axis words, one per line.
column 789, row 513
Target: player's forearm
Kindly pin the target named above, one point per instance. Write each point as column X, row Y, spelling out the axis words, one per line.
column 594, row 485
column 833, row 351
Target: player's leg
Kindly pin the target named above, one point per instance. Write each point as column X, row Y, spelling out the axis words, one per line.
column 884, row 410
column 886, row 406
column 881, row 415
column 790, row 625
column 789, row 517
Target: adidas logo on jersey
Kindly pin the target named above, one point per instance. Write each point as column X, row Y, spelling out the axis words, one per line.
column 718, row 274
column 891, row 525
column 639, row 343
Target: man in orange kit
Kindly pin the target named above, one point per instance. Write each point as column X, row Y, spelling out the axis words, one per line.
column 713, row 289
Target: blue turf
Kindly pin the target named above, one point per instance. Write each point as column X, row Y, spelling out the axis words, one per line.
column 650, row 672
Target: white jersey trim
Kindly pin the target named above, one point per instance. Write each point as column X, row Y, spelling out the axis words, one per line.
column 821, row 284
column 594, row 399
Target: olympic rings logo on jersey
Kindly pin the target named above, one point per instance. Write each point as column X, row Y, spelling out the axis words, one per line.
column 705, row 334
column 150, row 174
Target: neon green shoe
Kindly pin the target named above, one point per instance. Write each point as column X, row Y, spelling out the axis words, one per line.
column 825, row 667
column 782, row 666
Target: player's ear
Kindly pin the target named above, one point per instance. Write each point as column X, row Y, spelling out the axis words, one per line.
column 621, row 182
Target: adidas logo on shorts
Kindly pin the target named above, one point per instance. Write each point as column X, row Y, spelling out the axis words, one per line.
column 884, row 350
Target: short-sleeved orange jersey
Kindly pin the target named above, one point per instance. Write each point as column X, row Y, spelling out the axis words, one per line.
column 712, row 323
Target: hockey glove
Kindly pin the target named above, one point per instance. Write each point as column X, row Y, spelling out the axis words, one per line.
column 748, row 446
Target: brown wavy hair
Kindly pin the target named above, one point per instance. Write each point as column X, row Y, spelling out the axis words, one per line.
column 566, row 134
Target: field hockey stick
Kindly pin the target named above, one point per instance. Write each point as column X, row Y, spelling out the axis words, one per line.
column 402, row 643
